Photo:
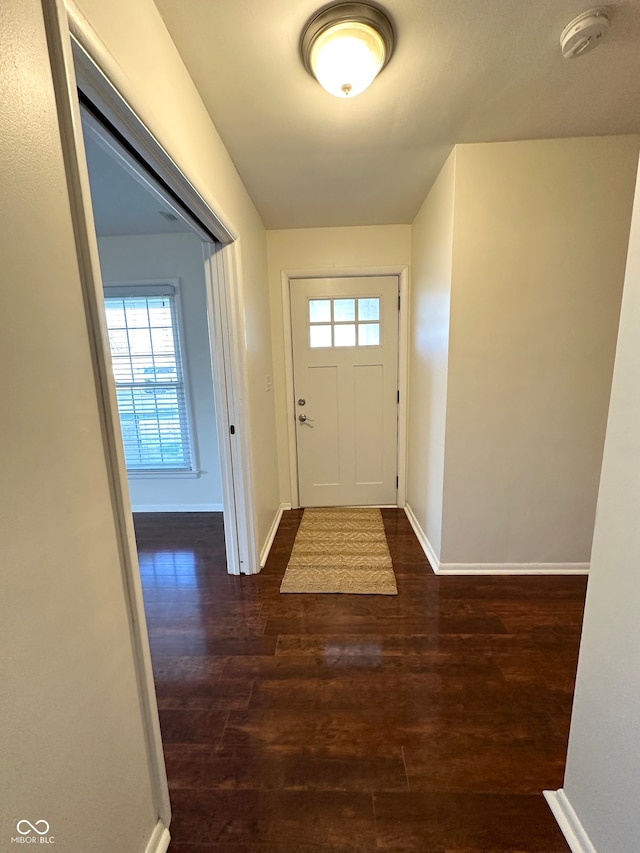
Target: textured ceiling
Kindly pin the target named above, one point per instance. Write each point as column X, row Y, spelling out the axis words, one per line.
column 463, row 71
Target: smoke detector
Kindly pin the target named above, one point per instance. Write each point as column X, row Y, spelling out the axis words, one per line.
column 585, row 32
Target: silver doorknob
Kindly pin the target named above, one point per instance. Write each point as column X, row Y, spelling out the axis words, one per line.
column 302, row 418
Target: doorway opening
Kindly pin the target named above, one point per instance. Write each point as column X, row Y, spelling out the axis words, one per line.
column 153, row 276
column 116, row 126
column 83, row 71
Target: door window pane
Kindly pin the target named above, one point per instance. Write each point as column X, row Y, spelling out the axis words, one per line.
column 369, row 334
column 344, row 310
column 369, row 309
column 345, row 335
column 344, row 322
column 320, row 311
column 319, row 336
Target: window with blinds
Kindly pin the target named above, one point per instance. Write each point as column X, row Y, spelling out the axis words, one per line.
column 152, row 401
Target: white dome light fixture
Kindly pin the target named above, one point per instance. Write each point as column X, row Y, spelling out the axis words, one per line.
column 585, row 32
column 346, row 46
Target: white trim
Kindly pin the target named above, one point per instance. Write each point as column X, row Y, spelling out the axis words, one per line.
column 513, row 569
column 289, row 395
column 79, row 58
column 177, row 508
column 568, row 821
column 224, row 411
column 426, row 546
column 463, row 569
column 159, row 840
column 223, row 264
column 155, row 474
column 403, row 383
column 65, row 83
column 95, row 129
column 271, row 535
column 109, row 89
column 103, row 83
column 402, row 273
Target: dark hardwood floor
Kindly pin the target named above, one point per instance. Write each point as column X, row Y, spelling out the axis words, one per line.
column 430, row 721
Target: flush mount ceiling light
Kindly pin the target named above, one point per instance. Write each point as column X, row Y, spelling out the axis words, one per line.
column 585, row 32
column 345, row 46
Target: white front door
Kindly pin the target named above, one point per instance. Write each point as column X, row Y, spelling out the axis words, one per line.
column 345, row 364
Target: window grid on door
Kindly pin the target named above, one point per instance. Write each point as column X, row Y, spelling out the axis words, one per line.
column 344, row 322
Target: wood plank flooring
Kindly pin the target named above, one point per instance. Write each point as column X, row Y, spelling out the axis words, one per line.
column 430, row 721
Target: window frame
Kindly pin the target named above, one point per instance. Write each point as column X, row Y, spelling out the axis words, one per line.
column 149, row 288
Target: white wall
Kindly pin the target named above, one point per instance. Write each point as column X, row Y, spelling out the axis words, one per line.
column 541, row 231
column 321, row 250
column 165, row 97
column 603, row 764
column 431, row 269
column 73, row 741
column 178, row 256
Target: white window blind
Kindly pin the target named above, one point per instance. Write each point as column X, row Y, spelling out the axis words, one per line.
column 145, row 352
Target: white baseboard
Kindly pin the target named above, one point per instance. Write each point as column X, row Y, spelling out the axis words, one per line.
column 264, row 554
column 160, row 838
column 568, row 821
column 513, row 569
column 489, row 568
column 177, row 508
column 427, row 547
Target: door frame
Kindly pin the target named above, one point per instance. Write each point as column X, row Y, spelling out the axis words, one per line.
column 79, row 59
column 289, row 276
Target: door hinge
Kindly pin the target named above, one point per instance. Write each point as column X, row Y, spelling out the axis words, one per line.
column 232, row 429
column 398, row 302
column 396, row 482
column 398, row 395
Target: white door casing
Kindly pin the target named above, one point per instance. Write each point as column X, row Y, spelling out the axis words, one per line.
column 345, row 366
column 100, row 81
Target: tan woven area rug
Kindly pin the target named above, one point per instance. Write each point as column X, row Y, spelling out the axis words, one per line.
column 340, row 550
